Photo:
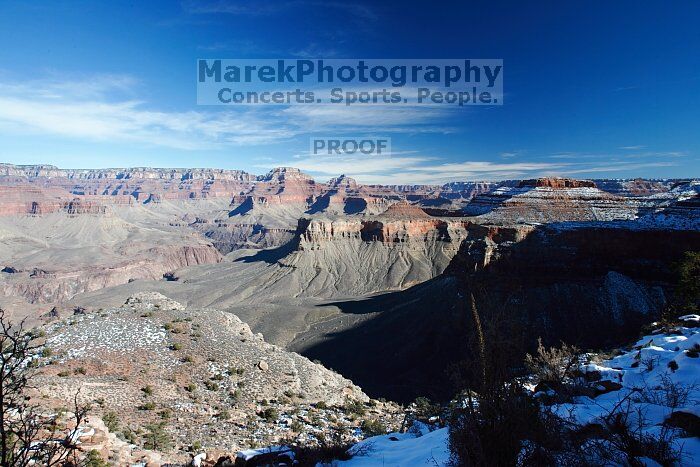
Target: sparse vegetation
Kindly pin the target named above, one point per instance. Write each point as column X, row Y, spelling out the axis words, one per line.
column 426, row 409
column 148, row 406
column 270, row 414
column 232, row 371
column 156, row 437
column 111, row 421
column 296, row 426
column 553, row 366
column 329, row 449
column 688, row 288
column 211, row 385
column 373, row 427
column 498, row 422
column 23, row 425
column 94, row 459
column 355, row 407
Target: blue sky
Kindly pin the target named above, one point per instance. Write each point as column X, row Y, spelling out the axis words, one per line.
column 591, row 89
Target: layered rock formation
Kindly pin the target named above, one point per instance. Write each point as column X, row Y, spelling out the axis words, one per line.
column 591, row 286
column 283, row 185
column 57, row 283
column 556, row 183
column 551, row 200
column 146, row 173
column 635, row 187
column 553, row 275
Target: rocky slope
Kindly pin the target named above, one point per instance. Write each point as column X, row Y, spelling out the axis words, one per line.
column 203, row 373
column 51, row 258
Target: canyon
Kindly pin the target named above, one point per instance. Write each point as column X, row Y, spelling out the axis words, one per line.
column 343, row 272
column 254, row 286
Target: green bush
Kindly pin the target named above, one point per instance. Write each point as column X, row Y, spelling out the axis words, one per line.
column 94, row 459
column 156, row 438
column 296, row 426
column 270, row 414
column 688, row 289
column 425, row 408
column 355, row 407
column 111, row 421
column 373, row 427
column 148, row 406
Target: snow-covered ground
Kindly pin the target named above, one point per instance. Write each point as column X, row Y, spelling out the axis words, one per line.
column 646, row 379
column 660, row 375
column 419, row 446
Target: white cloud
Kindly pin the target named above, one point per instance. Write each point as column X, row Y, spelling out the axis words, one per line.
column 401, row 168
column 632, row 148
column 404, row 169
column 617, row 167
column 104, row 108
column 378, row 118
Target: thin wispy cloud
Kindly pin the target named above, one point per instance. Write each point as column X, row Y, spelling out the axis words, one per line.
column 88, row 110
column 242, row 47
column 397, row 119
column 104, row 108
column 617, row 167
column 413, row 169
column 314, row 50
column 628, row 153
column 632, row 148
column 267, row 7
